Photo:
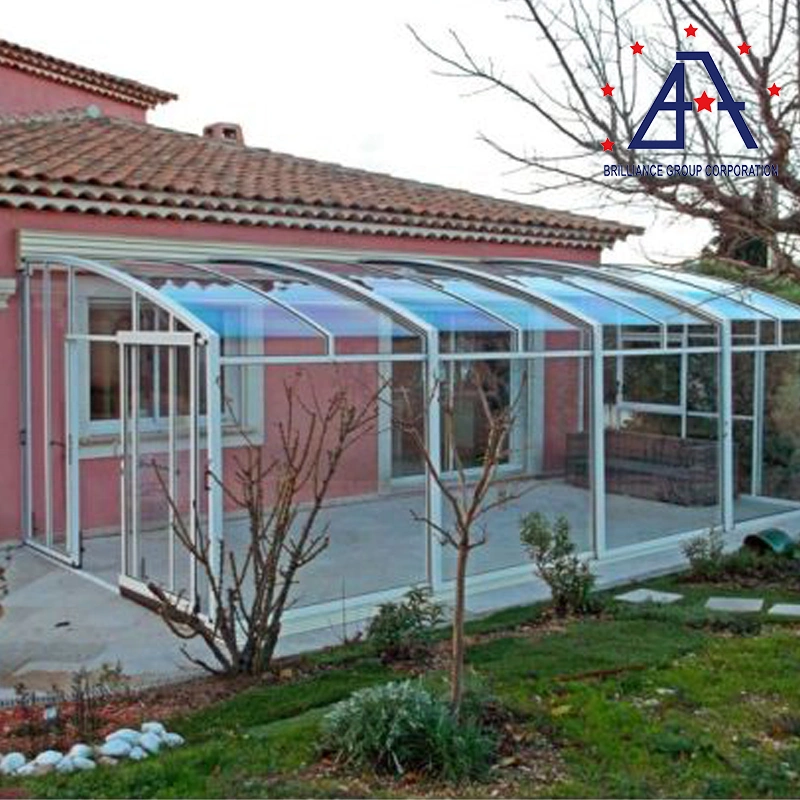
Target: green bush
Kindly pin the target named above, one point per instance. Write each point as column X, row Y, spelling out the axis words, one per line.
column 705, row 554
column 404, row 630
column 708, row 562
column 402, row 727
column 555, row 562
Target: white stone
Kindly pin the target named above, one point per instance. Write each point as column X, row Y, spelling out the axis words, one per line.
column 80, row 751
column 116, row 748
column 26, row 770
column 11, row 762
column 83, row 764
column 48, row 758
column 173, row 740
column 150, row 742
column 736, row 605
column 648, row 596
column 137, row 754
column 785, row 610
column 154, row 727
column 107, row 761
column 128, row 734
column 66, row 765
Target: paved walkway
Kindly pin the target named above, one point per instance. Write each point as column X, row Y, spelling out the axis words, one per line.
column 728, row 604
column 57, row 621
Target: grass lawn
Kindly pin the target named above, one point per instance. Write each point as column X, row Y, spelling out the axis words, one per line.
column 646, row 701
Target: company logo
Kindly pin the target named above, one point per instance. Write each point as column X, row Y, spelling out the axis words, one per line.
column 677, row 79
column 724, row 101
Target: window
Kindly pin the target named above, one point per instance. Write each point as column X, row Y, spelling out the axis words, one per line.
column 101, row 314
column 464, row 434
column 106, row 317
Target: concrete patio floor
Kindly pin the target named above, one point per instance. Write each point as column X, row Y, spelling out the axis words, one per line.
column 379, row 543
column 59, row 619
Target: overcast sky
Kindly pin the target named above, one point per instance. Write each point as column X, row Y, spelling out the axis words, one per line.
column 339, row 80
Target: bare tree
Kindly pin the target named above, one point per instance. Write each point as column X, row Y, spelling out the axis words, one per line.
column 587, row 45
column 468, row 496
column 282, row 497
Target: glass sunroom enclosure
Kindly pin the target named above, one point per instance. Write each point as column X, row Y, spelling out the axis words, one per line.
column 648, row 404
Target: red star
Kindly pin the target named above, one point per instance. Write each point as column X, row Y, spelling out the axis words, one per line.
column 608, row 144
column 690, row 31
column 637, row 48
column 704, row 102
column 608, row 90
column 744, row 49
column 774, row 90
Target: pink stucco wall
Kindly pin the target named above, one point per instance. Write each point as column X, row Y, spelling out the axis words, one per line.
column 23, row 93
column 362, row 461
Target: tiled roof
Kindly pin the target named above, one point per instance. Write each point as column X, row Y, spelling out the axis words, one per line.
column 56, row 69
column 80, row 160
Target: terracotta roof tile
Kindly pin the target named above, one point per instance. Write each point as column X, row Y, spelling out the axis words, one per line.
column 56, row 69
column 83, row 152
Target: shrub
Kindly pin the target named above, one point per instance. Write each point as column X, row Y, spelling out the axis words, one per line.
column 401, row 727
column 555, row 562
column 705, row 554
column 404, row 630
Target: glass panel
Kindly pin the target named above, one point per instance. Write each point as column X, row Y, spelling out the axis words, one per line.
column 701, row 385
column 538, row 469
column 743, row 383
column 469, row 390
column 106, row 317
column 743, row 333
column 646, row 304
column 375, row 536
column 765, row 303
column 235, row 312
column 702, row 299
column 767, row 332
column 650, row 379
column 357, row 326
column 520, row 312
column 781, row 455
column 790, row 332
column 761, row 463
column 444, row 312
column 640, row 337
column 463, row 432
column 662, row 474
column 600, row 308
column 408, row 418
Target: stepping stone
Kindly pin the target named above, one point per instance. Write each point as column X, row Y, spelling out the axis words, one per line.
column 785, row 610
column 737, row 605
column 648, row 596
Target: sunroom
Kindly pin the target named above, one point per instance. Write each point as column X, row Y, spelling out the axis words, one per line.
column 649, row 405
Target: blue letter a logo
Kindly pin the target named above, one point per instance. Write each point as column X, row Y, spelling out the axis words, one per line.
column 680, row 106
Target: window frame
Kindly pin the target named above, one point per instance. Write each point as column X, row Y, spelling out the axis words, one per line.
column 99, row 437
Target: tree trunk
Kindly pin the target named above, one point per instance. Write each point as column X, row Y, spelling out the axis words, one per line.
column 457, row 668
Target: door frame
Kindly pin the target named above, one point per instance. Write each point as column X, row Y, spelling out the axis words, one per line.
column 71, row 551
column 129, row 342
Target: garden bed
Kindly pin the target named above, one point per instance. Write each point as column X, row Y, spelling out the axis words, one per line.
column 646, row 701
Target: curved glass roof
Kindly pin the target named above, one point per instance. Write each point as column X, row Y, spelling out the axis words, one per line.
column 264, row 307
column 723, row 299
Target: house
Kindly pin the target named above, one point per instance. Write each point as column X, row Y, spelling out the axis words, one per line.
column 160, row 288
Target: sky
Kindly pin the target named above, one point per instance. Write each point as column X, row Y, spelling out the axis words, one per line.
column 341, row 81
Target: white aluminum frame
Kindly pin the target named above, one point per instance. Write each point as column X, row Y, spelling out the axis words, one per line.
column 202, row 338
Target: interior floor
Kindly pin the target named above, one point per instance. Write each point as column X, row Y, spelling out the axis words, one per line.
column 379, row 543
